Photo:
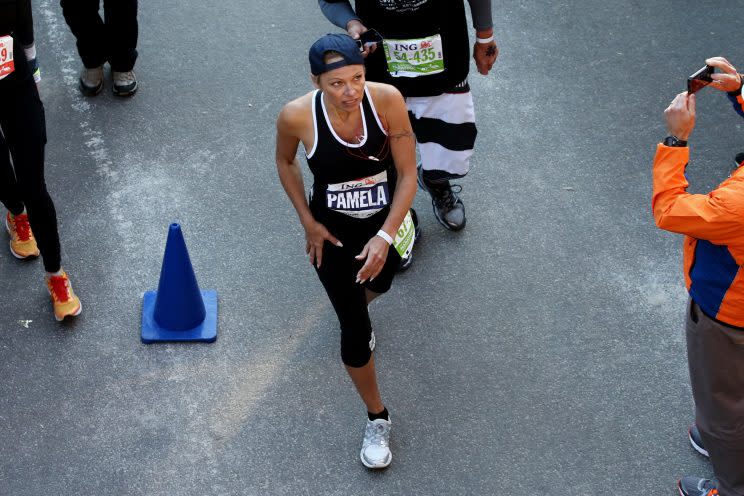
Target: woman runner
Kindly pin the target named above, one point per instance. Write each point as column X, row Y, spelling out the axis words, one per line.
column 361, row 151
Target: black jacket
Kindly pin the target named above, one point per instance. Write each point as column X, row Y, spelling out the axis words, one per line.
column 409, row 19
column 16, row 20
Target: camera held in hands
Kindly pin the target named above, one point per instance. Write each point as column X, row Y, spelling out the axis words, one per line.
column 369, row 37
column 700, row 79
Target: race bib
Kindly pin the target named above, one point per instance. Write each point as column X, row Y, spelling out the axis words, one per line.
column 6, row 56
column 360, row 198
column 405, row 236
column 414, row 58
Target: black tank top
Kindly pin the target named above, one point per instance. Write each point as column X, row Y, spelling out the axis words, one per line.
column 409, row 19
column 353, row 183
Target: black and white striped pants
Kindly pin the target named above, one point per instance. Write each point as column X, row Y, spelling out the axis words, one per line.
column 445, row 132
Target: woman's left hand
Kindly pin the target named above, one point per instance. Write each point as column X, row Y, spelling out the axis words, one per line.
column 375, row 251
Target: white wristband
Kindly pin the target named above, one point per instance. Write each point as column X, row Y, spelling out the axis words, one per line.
column 385, row 236
column 30, row 51
column 484, row 40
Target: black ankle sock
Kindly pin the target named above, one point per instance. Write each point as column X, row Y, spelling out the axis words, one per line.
column 382, row 415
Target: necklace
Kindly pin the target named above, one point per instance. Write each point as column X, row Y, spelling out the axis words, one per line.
column 358, row 133
column 359, row 139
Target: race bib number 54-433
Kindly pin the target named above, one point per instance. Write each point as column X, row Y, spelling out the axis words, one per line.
column 6, row 56
column 414, row 58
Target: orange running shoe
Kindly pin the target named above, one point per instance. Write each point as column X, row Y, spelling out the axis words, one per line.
column 66, row 304
column 22, row 242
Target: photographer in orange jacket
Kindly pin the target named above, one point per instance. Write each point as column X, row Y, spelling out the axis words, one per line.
column 713, row 225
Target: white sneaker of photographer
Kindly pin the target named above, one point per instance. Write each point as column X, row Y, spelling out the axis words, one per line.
column 91, row 81
column 376, row 446
column 125, row 83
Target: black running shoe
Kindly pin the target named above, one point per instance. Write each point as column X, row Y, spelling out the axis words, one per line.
column 738, row 160
column 695, row 486
column 448, row 208
column 693, row 434
column 416, row 225
column 405, row 263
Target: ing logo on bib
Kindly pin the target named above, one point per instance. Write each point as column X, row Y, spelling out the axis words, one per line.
column 360, row 198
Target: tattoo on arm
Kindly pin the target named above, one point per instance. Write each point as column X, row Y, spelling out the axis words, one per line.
column 399, row 136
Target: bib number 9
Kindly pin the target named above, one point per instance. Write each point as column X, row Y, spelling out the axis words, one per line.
column 6, row 56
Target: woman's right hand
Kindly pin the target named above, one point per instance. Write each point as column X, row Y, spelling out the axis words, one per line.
column 316, row 234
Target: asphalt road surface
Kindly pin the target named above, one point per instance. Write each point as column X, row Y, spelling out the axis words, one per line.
column 539, row 352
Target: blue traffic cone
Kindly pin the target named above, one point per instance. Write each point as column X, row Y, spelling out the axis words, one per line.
column 178, row 310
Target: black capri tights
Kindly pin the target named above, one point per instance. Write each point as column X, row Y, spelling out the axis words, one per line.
column 22, row 184
column 338, row 275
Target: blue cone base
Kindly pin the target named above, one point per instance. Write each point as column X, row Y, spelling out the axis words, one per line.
column 205, row 332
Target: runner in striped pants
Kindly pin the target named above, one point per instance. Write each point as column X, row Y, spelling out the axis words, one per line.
column 425, row 53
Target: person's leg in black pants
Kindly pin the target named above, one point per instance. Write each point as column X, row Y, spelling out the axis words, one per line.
column 9, row 195
column 24, row 130
column 89, row 30
column 121, row 32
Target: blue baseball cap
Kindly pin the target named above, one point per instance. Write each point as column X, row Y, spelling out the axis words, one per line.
column 343, row 44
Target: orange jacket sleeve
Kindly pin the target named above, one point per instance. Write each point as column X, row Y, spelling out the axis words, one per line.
column 717, row 217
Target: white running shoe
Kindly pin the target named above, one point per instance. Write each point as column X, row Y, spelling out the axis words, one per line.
column 376, row 446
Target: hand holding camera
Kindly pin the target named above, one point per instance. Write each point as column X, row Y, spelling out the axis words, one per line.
column 367, row 39
column 680, row 116
column 728, row 80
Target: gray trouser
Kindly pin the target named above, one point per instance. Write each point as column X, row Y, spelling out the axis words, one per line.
column 715, row 354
